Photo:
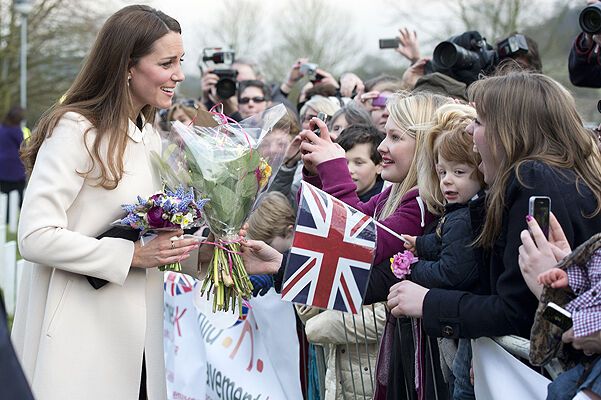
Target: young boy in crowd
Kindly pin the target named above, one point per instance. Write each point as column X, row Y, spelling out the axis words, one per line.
column 364, row 161
column 446, row 259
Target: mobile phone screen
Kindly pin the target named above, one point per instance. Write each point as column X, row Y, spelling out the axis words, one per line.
column 389, row 43
column 540, row 209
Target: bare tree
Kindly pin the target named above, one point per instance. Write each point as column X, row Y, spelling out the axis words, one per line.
column 238, row 24
column 59, row 35
column 315, row 29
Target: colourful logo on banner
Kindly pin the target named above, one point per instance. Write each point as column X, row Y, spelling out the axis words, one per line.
column 176, row 284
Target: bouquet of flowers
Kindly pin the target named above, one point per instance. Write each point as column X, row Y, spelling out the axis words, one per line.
column 227, row 164
column 169, row 210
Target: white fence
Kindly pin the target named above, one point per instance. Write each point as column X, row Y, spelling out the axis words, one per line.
column 11, row 269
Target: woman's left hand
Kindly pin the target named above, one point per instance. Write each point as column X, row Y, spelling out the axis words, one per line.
column 319, row 149
column 537, row 254
column 407, row 298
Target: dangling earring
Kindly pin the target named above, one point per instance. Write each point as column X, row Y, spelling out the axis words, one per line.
column 128, row 79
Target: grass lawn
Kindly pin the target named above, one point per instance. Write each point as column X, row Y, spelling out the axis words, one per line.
column 12, row 237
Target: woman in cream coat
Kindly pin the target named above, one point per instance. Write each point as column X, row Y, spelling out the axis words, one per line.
column 87, row 158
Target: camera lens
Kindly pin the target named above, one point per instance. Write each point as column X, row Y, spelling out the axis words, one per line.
column 225, row 88
column 590, row 19
column 448, row 55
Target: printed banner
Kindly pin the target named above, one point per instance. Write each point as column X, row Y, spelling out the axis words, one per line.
column 220, row 356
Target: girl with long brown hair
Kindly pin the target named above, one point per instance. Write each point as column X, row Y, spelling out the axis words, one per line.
column 90, row 154
column 532, row 143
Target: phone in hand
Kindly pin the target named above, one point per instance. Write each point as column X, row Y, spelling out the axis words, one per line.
column 389, row 43
column 379, row 101
column 322, row 116
column 540, row 208
column 558, row 316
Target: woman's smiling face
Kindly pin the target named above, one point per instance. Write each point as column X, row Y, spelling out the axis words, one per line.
column 397, row 150
column 155, row 76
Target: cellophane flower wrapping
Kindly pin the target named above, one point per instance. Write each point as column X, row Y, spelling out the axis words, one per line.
column 230, row 164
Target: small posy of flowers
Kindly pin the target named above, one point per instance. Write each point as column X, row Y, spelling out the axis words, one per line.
column 168, row 210
column 176, row 210
column 400, row 263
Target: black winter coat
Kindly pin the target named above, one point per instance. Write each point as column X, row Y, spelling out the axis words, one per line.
column 584, row 64
column 446, row 259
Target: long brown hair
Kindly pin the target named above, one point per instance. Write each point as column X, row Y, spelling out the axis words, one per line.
column 100, row 91
column 531, row 117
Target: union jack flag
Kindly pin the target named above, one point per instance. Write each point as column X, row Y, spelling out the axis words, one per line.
column 176, row 284
column 331, row 255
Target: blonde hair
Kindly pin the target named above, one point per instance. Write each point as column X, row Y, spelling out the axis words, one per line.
column 188, row 110
column 320, row 104
column 414, row 114
column 531, row 117
column 449, row 118
column 271, row 218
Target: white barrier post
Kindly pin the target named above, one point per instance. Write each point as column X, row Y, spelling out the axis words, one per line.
column 21, row 265
column 10, row 264
column 13, row 207
column 3, row 207
column 3, row 267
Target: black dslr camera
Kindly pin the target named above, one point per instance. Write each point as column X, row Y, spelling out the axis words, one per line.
column 220, row 60
column 463, row 57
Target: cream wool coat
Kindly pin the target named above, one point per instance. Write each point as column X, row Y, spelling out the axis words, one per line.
column 74, row 342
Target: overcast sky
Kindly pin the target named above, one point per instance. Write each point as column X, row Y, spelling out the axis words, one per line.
column 371, row 20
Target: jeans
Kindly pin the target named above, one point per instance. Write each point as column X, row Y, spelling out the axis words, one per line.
column 567, row 384
column 462, row 388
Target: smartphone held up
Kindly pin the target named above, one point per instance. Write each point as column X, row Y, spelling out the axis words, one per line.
column 539, row 207
column 322, row 116
column 389, row 43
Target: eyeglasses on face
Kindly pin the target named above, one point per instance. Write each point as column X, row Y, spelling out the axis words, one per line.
column 246, row 100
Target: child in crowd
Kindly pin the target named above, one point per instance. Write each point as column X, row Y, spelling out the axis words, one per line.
column 272, row 222
column 360, row 142
column 584, row 281
column 446, row 259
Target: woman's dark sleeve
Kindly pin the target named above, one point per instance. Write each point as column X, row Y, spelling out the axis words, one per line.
column 584, row 64
column 278, row 277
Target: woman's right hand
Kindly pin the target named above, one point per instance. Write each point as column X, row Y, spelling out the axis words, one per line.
column 162, row 250
column 319, row 149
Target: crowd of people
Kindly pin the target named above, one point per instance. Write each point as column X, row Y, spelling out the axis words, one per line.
column 447, row 157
